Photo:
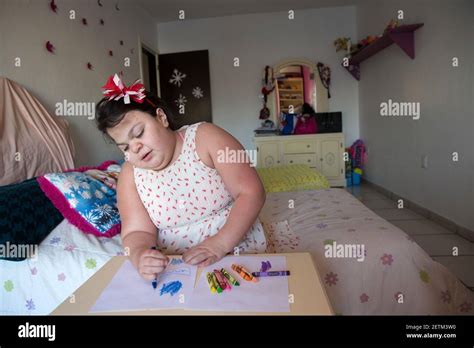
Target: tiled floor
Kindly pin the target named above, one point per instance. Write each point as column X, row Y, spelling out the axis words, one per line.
column 436, row 240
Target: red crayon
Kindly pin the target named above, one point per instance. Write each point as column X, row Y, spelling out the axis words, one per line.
column 220, row 279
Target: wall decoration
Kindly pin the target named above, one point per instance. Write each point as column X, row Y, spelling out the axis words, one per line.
column 101, row 22
column 132, row 50
column 89, row 66
column 177, row 78
column 84, row 21
column 98, row 3
column 185, row 80
column 53, row 6
column 111, row 53
column 50, row 47
column 121, row 42
column 198, row 92
column 325, row 76
column 117, row 7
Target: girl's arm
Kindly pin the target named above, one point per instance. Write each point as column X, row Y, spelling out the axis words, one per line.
column 138, row 231
column 242, row 182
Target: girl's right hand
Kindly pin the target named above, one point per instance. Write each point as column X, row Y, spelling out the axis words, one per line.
column 151, row 263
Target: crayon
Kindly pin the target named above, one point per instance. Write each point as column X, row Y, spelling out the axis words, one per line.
column 229, row 277
column 222, row 281
column 154, row 282
column 244, row 273
column 210, row 283
column 271, row 273
column 215, row 283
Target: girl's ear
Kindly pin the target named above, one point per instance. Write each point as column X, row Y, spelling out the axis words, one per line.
column 160, row 114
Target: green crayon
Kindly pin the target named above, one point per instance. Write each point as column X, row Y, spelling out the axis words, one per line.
column 210, row 282
column 215, row 283
column 229, row 277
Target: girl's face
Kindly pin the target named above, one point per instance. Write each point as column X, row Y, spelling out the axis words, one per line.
column 146, row 141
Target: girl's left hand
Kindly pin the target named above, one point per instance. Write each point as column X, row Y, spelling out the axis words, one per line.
column 206, row 253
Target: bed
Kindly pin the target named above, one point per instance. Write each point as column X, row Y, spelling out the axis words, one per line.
column 396, row 277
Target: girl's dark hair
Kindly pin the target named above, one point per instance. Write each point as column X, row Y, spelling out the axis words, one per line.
column 110, row 113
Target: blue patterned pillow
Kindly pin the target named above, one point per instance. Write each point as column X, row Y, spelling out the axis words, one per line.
column 86, row 197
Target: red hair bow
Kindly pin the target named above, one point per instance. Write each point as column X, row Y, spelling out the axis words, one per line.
column 115, row 89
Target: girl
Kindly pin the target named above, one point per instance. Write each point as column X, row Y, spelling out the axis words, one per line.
column 173, row 191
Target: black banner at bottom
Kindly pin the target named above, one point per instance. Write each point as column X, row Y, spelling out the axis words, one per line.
column 136, row 330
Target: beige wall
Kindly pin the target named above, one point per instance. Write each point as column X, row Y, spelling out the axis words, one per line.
column 446, row 124
column 25, row 26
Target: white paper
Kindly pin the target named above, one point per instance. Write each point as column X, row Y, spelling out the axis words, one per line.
column 127, row 291
column 269, row 294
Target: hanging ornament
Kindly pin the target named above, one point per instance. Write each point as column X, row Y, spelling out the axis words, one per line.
column 98, row 3
column 84, row 21
column 53, row 6
column 268, row 87
column 325, row 76
column 121, row 42
column 132, row 50
column 117, row 7
column 89, row 66
column 50, row 47
column 101, row 22
column 111, row 53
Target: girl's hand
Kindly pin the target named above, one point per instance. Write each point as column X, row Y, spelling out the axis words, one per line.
column 151, row 263
column 206, row 253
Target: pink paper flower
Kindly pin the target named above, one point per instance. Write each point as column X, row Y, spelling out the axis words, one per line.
column 61, row 277
column 465, row 307
column 446, row 296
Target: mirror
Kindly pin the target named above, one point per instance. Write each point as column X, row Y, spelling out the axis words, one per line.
column 297, row 82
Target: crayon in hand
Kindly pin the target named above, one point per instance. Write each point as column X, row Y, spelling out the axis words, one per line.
column 229, row 277
column 244, row 273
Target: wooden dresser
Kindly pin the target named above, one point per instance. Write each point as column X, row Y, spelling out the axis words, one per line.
column 323, row 152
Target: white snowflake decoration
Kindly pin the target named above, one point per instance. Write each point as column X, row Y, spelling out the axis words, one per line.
column 198, row 93
column 181, row 100
column 177, row 78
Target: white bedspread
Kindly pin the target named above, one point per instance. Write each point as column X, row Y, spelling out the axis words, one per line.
column 394, row 264
column 66, row 259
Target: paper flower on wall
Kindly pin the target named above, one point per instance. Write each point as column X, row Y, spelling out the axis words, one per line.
column 98, row 3
column 84, row 21
column 50, row 47
column 89, row 66
column 53, row 6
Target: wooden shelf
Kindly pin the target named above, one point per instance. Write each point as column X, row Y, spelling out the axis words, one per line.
column 402, row 35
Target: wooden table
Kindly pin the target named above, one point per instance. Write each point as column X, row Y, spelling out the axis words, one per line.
column 309, row 296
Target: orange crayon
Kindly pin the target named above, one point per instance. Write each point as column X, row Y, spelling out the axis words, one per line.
column 244, row 273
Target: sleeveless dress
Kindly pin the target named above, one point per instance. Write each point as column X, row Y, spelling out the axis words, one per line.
column 188, row 202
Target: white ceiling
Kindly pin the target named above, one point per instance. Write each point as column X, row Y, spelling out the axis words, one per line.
column 167, row 10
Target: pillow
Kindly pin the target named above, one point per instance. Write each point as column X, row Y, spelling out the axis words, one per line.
column 296, row 177
column 26, row 218
column 86, row 197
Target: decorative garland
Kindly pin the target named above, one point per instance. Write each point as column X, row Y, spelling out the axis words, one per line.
column 325, row 76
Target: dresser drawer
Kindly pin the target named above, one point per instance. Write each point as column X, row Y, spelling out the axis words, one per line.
column 299, row 146
column 309, row 160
